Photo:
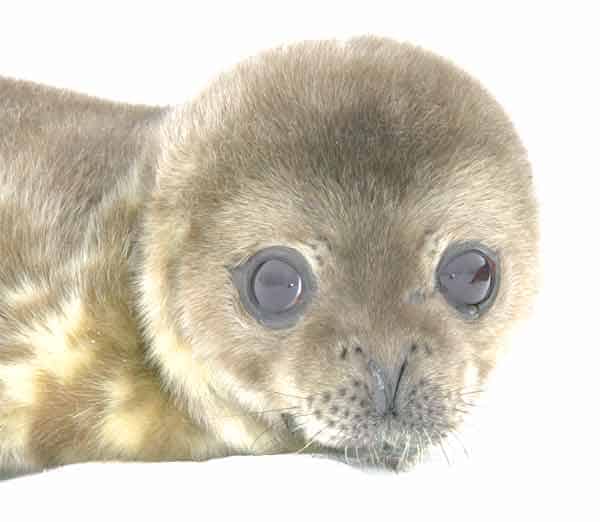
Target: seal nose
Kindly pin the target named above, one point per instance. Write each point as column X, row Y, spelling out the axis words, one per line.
column 384, row 389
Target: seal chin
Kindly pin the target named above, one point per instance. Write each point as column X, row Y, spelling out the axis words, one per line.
column 383, row 448
column 401, row 457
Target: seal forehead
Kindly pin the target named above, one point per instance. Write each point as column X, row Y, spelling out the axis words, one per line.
column 373, row 126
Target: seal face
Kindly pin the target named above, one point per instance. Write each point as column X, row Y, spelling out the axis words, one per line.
column 325, row 252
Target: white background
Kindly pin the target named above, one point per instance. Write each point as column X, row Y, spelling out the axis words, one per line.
column 533, row 449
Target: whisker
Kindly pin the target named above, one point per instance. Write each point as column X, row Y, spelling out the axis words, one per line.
column 473, row 392
column 440, row 444
column 371, row 451
column 406, row 448
column 286, row 394
column 254, row 413
column 419, row 448
column 457, row 438
column 469, row 404
column 346, row 455
column 311, row 441
column 360, row 464
column 309, row 414
column 257, row 438
column 298, row 427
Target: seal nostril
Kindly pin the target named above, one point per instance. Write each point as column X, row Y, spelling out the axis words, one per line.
column 379, row 395
column 385, row 390
column 402, row 369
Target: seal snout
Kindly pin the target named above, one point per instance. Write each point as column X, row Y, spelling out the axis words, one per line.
column 385, row 389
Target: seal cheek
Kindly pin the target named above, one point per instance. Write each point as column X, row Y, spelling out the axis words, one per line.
column 254, row 372
column 471, row 377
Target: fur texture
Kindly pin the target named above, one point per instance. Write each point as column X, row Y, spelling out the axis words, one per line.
column 121, row 333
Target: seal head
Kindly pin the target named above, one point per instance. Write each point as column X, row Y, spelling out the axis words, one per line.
column 339, row 237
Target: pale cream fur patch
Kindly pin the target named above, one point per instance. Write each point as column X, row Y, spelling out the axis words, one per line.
column 18, row 384
column 124, row 431
column 122, row 428
column 25, row 294
column 56, row 343
column 14, row 429
column 18, row 395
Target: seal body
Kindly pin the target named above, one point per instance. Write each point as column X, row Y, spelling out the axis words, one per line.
column 75, row 384
column 126, row 330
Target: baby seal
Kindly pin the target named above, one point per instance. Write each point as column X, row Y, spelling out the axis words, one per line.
column 322, row 252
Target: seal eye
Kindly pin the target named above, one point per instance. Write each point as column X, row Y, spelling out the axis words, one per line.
column 467, row 279
column 275, row 286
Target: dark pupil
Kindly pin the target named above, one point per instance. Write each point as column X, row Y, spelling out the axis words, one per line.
column 467, row 279
column 277, row 286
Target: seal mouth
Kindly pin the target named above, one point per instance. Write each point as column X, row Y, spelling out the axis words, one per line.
column 379, row 453
column 373, row 457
